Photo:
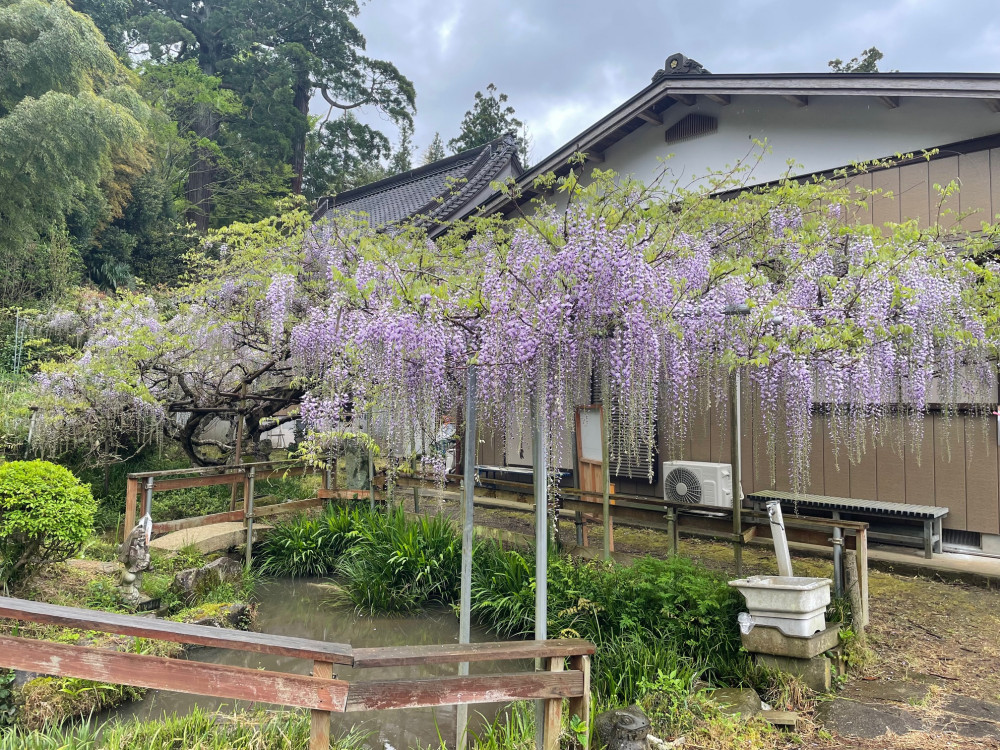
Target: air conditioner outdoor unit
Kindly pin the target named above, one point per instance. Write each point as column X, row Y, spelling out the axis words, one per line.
column 698, row 483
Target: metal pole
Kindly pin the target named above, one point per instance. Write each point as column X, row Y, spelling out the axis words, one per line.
column 606, row 478
column 147, row 498
column 468, row 507
column 540, row 471
column 416, row 489
column 735, row 466
column 371, row 478
column 249, row 512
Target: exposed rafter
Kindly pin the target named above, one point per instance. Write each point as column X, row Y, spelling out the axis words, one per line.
column 654, row 118
column 687, row 99
column 993, row 104
column 797, row 100
column 722, row 99
column 890, row 101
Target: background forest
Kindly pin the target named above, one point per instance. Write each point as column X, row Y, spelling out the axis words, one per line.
column 130, row 128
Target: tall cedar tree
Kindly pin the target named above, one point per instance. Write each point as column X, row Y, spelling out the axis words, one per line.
column 489, row 118
column 274, row 54
column 435, row 151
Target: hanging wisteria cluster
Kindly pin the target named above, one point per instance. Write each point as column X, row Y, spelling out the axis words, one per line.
column 622, row 299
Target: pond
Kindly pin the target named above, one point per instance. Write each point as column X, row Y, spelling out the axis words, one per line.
column 301, row 608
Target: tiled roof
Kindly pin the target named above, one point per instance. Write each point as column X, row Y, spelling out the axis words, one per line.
column 435, row 191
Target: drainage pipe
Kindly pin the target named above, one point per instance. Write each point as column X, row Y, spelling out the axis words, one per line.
column 780, row 540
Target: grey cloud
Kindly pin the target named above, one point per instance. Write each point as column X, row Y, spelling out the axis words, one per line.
column 565, row 64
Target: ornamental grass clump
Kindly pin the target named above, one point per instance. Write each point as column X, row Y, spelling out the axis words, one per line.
column 399, row 565
column 46, row 514
column 657, row 616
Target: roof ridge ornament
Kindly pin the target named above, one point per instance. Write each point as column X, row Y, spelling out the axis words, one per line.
column 679, row 65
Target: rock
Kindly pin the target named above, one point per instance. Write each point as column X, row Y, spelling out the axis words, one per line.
column 898, row 691
column 971, row 728
column 733, row 701
column 189, row 584
column 973, row 708
column 814, row 673
column 623, row 729
column 852, row 719
column 237, row 615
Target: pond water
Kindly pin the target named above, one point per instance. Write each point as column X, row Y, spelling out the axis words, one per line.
column 301, row 608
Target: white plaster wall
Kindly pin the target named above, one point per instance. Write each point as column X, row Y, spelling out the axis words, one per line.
column 831, row 132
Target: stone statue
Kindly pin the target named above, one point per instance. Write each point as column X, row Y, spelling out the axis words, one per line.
column 134, row 556
column 623, row 729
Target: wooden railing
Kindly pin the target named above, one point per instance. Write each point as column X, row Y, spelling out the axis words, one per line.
column 321, row 693
column 696, row 520
column 142, row 485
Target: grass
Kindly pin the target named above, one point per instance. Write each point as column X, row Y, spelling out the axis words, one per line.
column 271, row 730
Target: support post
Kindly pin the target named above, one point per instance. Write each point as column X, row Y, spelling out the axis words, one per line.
column 862, row 545
column 540, row 472
column 248, row 511
column 131, row 500
column 838, row 557
column 853, row 590
column 672, row 531
column 416, row 489
column 580, row 707
column 468, row 507
column 238, row 457
column 735, row 464
column 371, row 478
column 319, row 721
column 147, row 497
column 606, row 478
column 553, row 712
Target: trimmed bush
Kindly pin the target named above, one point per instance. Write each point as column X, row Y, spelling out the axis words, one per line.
column 46, row 514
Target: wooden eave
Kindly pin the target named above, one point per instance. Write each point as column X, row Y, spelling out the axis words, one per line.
column 680, row 91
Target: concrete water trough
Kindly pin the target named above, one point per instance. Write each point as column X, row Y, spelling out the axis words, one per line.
column 795, row 605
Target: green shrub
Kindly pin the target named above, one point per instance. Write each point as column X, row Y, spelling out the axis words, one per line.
column 46, row 514
column 189, row 502
column 103, row 594
column 503, row 590
column 298, row 547
column 394, row 564
column 8, row 699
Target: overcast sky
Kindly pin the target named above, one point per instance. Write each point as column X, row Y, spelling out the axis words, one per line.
column 566, row 64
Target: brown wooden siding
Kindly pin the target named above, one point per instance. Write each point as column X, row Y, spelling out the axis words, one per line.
column 954, row 463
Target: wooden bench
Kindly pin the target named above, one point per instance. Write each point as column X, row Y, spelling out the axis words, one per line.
column 909, row 523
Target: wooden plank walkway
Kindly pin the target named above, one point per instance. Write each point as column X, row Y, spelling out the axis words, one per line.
column 211, row 538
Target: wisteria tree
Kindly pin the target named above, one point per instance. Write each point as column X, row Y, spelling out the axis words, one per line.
column 189, row 366
column 626, row 288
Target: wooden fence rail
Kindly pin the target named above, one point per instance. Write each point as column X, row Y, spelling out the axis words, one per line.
column 321, row 692
column 145, row 484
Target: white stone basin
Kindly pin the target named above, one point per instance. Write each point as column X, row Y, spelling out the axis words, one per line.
column 794, row 604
